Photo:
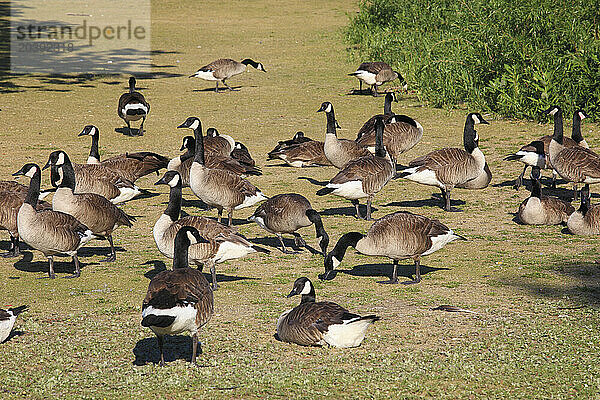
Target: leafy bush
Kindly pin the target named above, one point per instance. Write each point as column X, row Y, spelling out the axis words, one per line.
column 512, row 58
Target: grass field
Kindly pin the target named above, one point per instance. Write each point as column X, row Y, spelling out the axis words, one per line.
column 534, row 289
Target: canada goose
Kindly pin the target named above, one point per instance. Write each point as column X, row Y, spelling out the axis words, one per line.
column 314, row 323
column 218, row 143
column 449, row 167
column 242, row 155
column 586, row 220
column 51, row 232
column 365, row 176
column 339, row 151
column 11, row 201
column 94, row 211
column 481, row 182
column 286, row 213
column 224, row 243
column 375, row 74
column 401, row 133
column 575, row 164
column 7, row 320
column 130, row 166
column 223, row 69
column 179, row 300
column 543, row 210
column 17, row 188
column 369, row 126
column 306, row 154
column 536, row 152
column 296, row 139
column 216, row 187
column 132, row 107
column 397, row 236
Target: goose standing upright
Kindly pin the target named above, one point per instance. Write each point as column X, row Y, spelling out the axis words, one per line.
column 132, row 107
column 179, row 300
column 286, row 213
column 375, row 74
column 218, row 188
column 96, row 212
column 51, row 232
column 398, row 236
column 365, row 176
column 339, row 151
column 369, row 126
column 401, row 133
column 224, row 68
column 450, row 167
column 314, row 323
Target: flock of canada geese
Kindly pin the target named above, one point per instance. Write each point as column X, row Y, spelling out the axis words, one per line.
column 216, row 168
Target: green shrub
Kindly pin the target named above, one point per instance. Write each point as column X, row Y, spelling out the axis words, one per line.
column 512, row 58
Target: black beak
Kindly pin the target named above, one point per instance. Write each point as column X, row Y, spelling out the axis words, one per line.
column 182, row 125
column 292, row 293
column 82, row 133
column 182, row 147
column 47, row 165
column 161, row 181
column 483, row 121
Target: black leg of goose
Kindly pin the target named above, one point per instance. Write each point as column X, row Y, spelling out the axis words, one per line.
column 417, row 273
column 553, row 185
column 219, row 214
column 51, row 273
column 129, row 132
column 14, row 250
column 298, row 241
column 519, row 181
column 194, row 349
column 230, row 218
column 113, row 253
column 283, row 248
column 217, row 87
column 375, row 94
column 360, row 86
column 213, row 273
column 394, row 278
column 161, row 342
column 357, row 206
column 575, row 192
column 77, row 273
column 141, row 130
column 229, row 87
column 368, row 216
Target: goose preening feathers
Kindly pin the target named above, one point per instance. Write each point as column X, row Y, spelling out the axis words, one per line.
column 300, row 152
column 286, row 213
column 365, row 176
column 398, row 236
column 181, row 299
column 94, row 211
column 450, row 167
column 223, row 242
column 543, row 210
column 375, row 74
column 224, row 68
column 7, row 320
column 51, row 232
column 130, row 166
column 133, row 107
column 216, row 187
column 586, row 220
column 313, row 323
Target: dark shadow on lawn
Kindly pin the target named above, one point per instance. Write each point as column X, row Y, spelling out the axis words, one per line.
column 386, row 270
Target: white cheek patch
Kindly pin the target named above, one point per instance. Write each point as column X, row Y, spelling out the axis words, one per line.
column 195, row 124
column 553, row 111
column 307, row 287
column 475, row 119
column 581, row 115
column 260, row 67
column 329, row 107
column 31, row 172
column 192, row 238
column 93, row 131
column 61, row 159
column 336, row 262
column 238, row 146
column 173, row 182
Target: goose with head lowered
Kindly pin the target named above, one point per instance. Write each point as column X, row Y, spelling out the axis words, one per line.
column 242, row 154
column 224, row 242
column 375, row 74
column 450, row 167
column 398, row 236
column 575, row 164
column 217, row 187
column 51, row 232
column 369, row 126
column 298, row 138
column 365, row 176
column 7, row 320
column 179, row 300
column 133, row 107
column 313, row 323
column 286, row 213
column 224, row 68
column 586, row 220
column 543, row 210
column 537, row 152
column 96, row 212
column 130, row 166
column 339, row 151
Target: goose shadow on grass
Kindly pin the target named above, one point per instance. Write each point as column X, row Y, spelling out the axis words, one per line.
column 146, row 194
column 14, row 333
column 133, row 132
column 434, row 201
column 314, row 181
column 61, row 264
column 176, row 347
column 222, row 89
column 90, row 250
column 387, row 269
column 273, row 242
column 349, row 211
column 159, row 266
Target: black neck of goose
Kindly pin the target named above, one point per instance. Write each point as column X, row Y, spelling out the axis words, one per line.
column 469, row 136
column 187, row 155
column 576, row 134
column 536, row 188
column 347, row 240
column 174, row 207
column 199, row 156
column 311, row 297
column 315, row 218
column 379, row 149
column 68, row 178
column 558, row 127
column 248, row 61
column 585, row 200
column 94, row 148
column 180, row 252
column 33, row 192
column 131, row 86
column 387, row 106
column 331, row 122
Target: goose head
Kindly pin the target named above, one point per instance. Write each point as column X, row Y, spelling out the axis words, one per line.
column 90, row 130
column 28, row 170
column 191, row 123
column 57, row 158
column 171, row 178
column 326, row 107
column 302, row 286
column 188, row 143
